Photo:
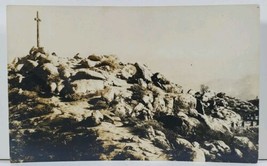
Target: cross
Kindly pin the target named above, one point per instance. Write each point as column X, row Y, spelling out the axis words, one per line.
column 37, row 19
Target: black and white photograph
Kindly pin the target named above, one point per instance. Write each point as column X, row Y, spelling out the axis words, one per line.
column 175, row 83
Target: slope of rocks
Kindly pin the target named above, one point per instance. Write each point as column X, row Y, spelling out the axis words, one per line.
column 97, row 108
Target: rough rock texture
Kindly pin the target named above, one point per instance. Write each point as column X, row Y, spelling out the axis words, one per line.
column 97, row 108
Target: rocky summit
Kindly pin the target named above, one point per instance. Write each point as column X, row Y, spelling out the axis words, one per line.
column 97, row 108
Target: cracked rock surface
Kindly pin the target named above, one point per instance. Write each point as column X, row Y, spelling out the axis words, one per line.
column 97, row 108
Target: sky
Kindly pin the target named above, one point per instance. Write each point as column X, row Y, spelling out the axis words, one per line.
column 213, row 45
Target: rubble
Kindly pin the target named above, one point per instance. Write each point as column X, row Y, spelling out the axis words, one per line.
column 92, row 104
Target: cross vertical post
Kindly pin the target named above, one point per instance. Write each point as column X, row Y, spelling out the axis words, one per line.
column 37, row 19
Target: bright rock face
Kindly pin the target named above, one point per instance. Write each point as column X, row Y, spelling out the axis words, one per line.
column 97, row 108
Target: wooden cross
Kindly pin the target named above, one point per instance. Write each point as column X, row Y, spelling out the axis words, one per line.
column 37, row 19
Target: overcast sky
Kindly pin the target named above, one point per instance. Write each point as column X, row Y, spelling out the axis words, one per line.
column 213, row 45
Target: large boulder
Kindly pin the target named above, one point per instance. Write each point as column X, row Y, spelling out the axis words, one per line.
column 18, row 67
column 87, row 74
column 159, row 80
column 143, row 72
column 142, row 112
column 47, row 72
column 142, row 83
column 216, row 127
column 87, row 86
column 189, row 152
column 169, row 104
column 148, row 99
column 181, row 142
column 41, row 79
column 122, row 109
column 198, row 155
column 42, row 58
column 222, row 147
column 47, row 58
column 109, row 93
column 161, row 141
column 230, row 117
column 185, row 101
column 128, row 71
column 65, row 71
column 112, row 80
column 190, row 126
column 238, row 153
column 108, row 63
column 95, row 119
column 173, row 88
column 210, row 147
column 87, row 63
column 159, row 104
column 28, row 66
column 95, row 57
column 244, row 143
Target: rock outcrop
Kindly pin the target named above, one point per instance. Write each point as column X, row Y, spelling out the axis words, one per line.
column 97, row 108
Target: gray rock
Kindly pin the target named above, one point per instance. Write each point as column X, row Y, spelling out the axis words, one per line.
column 94, row 120
column 87, row 74
column 161, row 142
column 173, row 88
column 95, row 57
column 28, row 66
column 122, row 109
column 198, row 155
column 181, row 142
column 108, row 93
column 159, row 104
column 194, row 154
column 185, row 101
column 169, row 104
column 18, row 67
column 142, row 83
column 216, row 127
column 210, row 147
column 193, row 113
column 208, row 155
column 128, row 71
column 159, row 80
column 150, row 133
column 47, row 72
column 139, row 107
column 87, row 63
column 238, row 153
column 142, row 112
column 87, row 86
column 53, row 87
column 228, row 116
column 160, row 133
column 114, row 81
column 148, row 98
column 244, row 143
column 222, row 147
column 143, row 72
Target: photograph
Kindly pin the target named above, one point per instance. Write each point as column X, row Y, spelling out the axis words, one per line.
column 164, row 83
